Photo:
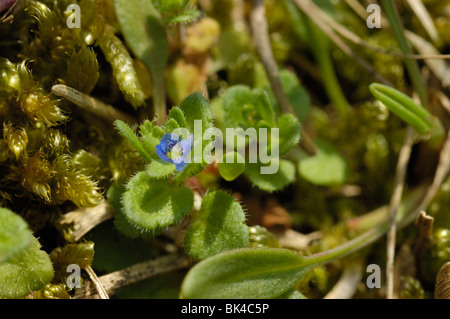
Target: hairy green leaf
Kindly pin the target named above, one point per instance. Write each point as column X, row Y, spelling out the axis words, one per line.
column 28, row 271
column 289, row 130
column 283, row 176
column 296, row 93
column 244, row 273
column 244, row 105
column 159, row 169
column 153, row 204
column 177, row 114
column 196, row 107
column 14, row 234
column 128, row 133
column 219, row 226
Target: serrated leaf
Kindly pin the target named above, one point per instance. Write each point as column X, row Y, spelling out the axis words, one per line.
column 15, row 235
column 170, row 126
column 219, row 226
column 244, row 273
column 123, row 225
column 283, row 175
column 232, row 165
column 128, row 133
column 152, row 204
column 30, row 270
column 289, row 132
column 185, row 16
column 177, row 114
column 326, row 168
column 244, row 105
column 236, row 97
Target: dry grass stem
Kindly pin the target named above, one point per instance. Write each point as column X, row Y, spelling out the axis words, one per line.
column 84, row 219
column 261, row 36
column 141, row 271
column 394, row 204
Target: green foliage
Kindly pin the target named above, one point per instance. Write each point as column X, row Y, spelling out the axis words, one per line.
column 247, row 109
column 14, row 234
column 27, row 271
column 147, row 38
column 403, row 106
column 155, row 204
column 81, row 254
column 295, row 92
column 326, row 168
column 159, row 169
column 245, row 106
column 128, row 133
column 271, row 182
column 218, row 226
column 244, row 273
column 232, row 165
column 122, row 64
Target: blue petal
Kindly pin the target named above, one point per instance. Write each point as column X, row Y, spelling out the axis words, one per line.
column 180, row 162
column 168, row 141
column 186, row 145
column 162, row 153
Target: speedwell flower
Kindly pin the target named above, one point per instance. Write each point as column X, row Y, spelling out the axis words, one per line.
column 174, row 150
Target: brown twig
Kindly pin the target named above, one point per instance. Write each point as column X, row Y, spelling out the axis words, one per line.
column 316, row 14
column 260, row 33
column 144, row 270
column 441, row 174
column 394, row 204
column 84, row 219
column 98, row 285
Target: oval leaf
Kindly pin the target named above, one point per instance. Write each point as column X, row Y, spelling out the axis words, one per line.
column 27, row 271
column 220, row 226
column 159, row 169
column 153, row 204
column 326, row 168
column 14, row 234
column 289, row 130
column 283, row 174
column 403, row 106
column 244, row 273
column 232, row 166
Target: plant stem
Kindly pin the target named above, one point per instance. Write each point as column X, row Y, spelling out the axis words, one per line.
column 261, row 35
column 411, row 65
column 394, row 205
column 347, row 248
column 319, row 45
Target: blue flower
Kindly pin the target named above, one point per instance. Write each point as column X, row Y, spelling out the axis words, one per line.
column 174, row 150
